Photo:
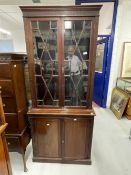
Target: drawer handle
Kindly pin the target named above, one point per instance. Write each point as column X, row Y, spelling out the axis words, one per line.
column 8, row 143
column 75, row 119
column 3, row 105
column 47, row 124
column 14, row 65
column 0, row 87
column 63, row 141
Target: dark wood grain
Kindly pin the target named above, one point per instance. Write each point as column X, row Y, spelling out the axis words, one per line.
column 14, row 100
column 75, row 138
column 47, row 137
column 5, row 167
column 68, row 136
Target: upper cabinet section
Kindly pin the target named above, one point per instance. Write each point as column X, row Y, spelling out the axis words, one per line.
column 61, row 47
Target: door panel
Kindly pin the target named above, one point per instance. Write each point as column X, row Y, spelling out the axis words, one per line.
column 47, row 137
column 76, row 135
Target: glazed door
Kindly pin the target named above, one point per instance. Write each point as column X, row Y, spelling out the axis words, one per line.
column 46, row 138
column 77, row 33
column 76, row 139
column 100, row 71
column 46, row 47
column 62, row 56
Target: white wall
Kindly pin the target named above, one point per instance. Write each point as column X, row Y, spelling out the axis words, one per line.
column 11, row 20
column 19, row 40
column 122, row 34
column 105, row 18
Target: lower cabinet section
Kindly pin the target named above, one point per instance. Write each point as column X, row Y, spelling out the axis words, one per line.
column 62, row 139
column 76, row 138
column 46, row 137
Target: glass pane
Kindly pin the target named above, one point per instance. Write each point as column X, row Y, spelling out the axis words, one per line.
column 99, row 57
column 76, row 60
column 46, row 61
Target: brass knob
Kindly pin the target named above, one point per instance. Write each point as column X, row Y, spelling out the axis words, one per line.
column 3, row 105
column 0, row 87
column 14, row 65
column 75, row 119
column 47, row 124
column 8, row 143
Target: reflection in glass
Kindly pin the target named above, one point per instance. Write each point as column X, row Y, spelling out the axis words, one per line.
column 76, row 59
column 99, row 57
column 46, row 61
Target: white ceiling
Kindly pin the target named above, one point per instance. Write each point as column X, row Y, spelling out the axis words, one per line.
column 30, row 2
column 11, row 15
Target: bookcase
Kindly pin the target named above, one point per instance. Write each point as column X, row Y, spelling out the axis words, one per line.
column 61, row 48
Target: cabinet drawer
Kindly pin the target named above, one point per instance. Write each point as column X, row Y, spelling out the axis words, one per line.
column 9, row 105
column 6, row 88
column 13, row 144
column 12, row 121
column 5, row 70
column 47, row 137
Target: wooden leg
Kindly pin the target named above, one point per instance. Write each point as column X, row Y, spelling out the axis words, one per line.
column 24, row 162
column 23, row 155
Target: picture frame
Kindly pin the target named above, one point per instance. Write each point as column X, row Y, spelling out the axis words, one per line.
column 119, row 101
column 126, row 60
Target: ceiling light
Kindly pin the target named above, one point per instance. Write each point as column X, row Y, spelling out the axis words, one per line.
column 36, row 1
column 5, row 31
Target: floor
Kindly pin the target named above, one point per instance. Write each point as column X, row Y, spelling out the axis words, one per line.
column 111, row 151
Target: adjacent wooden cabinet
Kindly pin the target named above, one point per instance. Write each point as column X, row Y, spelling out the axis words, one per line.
column 12, row 85
column 61, row 47
column 5, row 167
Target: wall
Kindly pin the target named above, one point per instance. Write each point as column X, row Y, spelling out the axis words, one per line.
column 11, row 20
column 122, row 34
column 18, row 36
column 105, row 18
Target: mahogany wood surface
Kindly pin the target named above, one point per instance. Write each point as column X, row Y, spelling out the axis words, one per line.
column 14, row 100
column 59, row 133
column 5, row 167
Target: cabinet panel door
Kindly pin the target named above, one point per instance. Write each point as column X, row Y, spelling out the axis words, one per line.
column 76, row 138
column 47, row 137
